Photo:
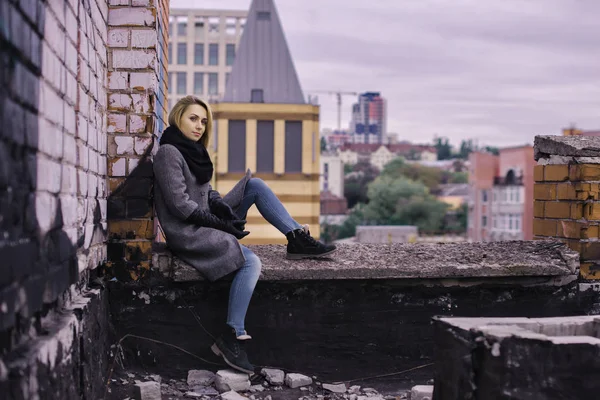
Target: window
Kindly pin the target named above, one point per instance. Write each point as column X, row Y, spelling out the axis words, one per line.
column 256, row 96
column 198, row 83
column 512, row 194
column 213, row 54
column 227, row 74
column 199, row 53
column 182, row 53
column 236, row 151
column 265, row 146
column 510, row 222
column 484, row 196
column 199, row 28
column 170, row 54
column 230, row 26
column 230, row 54
column 517, row 194
column 170, row 82
column 293, row 146
column 484, row 221
column 181, row 83
column 518, row 222
column 213, row 83
column 182, row 27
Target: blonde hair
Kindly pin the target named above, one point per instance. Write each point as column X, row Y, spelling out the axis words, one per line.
column 179, row 108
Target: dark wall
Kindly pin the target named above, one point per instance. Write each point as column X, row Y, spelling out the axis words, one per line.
column 333, row 329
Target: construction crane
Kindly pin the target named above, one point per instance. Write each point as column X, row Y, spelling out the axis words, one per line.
column 338, row 95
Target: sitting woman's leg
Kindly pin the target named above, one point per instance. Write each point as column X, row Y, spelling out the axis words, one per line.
column 300, row 243
column 230, row 344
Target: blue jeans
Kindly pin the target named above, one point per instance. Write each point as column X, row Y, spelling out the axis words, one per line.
column 256, row 192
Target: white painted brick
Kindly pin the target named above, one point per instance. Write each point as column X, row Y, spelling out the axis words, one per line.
column 141, row 144
column 119, row 2
column 71, row 25
column 93, row 157
column 51, row 67
column 140, row 103
column 82, row 182
column 83, row 103
column 103, row 7
column 103, row 204
column 54, row 35
column 117, row 80
column 71, row 88
column 118, row 37
column 51, row 105
column 120, row 102
column 58, row 6
column 140, row 3
column 82, row 127
column 71, row 57
column 46, row 207
column 48, row 175
column 117, row 123
column 133, row 162
column 69, row 179
column 92, row 135
column 143, row 80
column 82, row 155
column 92, row 185
column 131, row 17
column 69, row 149
column 137, row 124
column 102, row 167
column 84, row 47
column 133, row 59
column 118, row 168
column 143, row 38
column 70, row 119
column 124, row 144
column 94, row 87
column 84, row 75
column 50, row 139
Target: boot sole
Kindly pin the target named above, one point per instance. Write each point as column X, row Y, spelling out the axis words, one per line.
column 215, row 349
column 302, row 256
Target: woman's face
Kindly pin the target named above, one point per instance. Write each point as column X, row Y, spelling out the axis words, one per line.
column 193, row 122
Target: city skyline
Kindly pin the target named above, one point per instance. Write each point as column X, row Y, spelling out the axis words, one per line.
column 499, row 72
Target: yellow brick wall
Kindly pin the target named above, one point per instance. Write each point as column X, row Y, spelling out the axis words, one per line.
column 567, row 207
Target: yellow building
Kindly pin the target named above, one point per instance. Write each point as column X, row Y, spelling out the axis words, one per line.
column 265, row 125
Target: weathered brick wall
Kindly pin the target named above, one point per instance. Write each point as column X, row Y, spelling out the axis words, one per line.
column 52, row 154
column 567, row 201
column 137, row 40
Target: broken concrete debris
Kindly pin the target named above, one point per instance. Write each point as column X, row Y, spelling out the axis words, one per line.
column 296, row 380
column 147, row 391
column 229, row 379
column 273, row 376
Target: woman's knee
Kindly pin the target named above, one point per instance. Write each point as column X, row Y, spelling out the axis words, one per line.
column 256, row 183
column 254, row 263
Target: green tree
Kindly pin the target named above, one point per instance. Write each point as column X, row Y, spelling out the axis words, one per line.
column 444, row 150
column 357, row 181
column 494, row 150
column 466, row 148
column 402, row 201
column 430, row 176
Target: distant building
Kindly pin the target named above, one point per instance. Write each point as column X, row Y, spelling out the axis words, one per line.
column 264, row 124
column 501, row 195
column 579, row 132
column 369, row 119
column 454, row 194
column 380, row 155
column 332, row 174
column 332, row 204
column 202, row 49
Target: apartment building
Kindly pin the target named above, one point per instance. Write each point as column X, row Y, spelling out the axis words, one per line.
column 202, row 50
column 501, row 195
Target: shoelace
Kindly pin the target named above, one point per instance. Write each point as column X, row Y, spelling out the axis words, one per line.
column 311, row 240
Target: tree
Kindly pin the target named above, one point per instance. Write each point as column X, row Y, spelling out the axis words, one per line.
column 430, row 176
column 323, row 144
column 494, row 150
column 401, row 201
column 444, row 150
column 357, row 181
column 466, row 148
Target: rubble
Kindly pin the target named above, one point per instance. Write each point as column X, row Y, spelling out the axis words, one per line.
column 339, row 388
column 200, row 378
column 421, row 392
column 232, row 395
column 229, row 379
column 147, row 391
column 297, row 380
column 273, row 376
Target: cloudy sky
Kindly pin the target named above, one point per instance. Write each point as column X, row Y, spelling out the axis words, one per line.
column 497, row 71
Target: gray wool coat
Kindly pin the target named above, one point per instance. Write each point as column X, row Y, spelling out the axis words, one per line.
column 177, row 194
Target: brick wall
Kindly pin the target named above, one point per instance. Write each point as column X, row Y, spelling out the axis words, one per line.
column 137, row 38
column 567, row 197
column 52, row 153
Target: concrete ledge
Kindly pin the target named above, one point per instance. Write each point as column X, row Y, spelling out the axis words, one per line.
column 403, row 261
column 533, row 358
column 566, row 146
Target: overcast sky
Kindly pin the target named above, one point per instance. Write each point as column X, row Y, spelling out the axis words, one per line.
column 498, row 71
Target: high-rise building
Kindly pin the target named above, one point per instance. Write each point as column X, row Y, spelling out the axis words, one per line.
column 264, row 124
column 202, row 50
column 501, row 195
column 369, row 119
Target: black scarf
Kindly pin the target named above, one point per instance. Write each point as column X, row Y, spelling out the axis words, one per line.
column 194, row 153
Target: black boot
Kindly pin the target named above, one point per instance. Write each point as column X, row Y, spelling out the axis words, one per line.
column 233, row 351
column 302, row 245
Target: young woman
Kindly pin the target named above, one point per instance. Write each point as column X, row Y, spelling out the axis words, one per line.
column 203, row 229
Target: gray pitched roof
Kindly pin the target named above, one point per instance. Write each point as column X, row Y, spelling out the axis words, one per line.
column 263, row 60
